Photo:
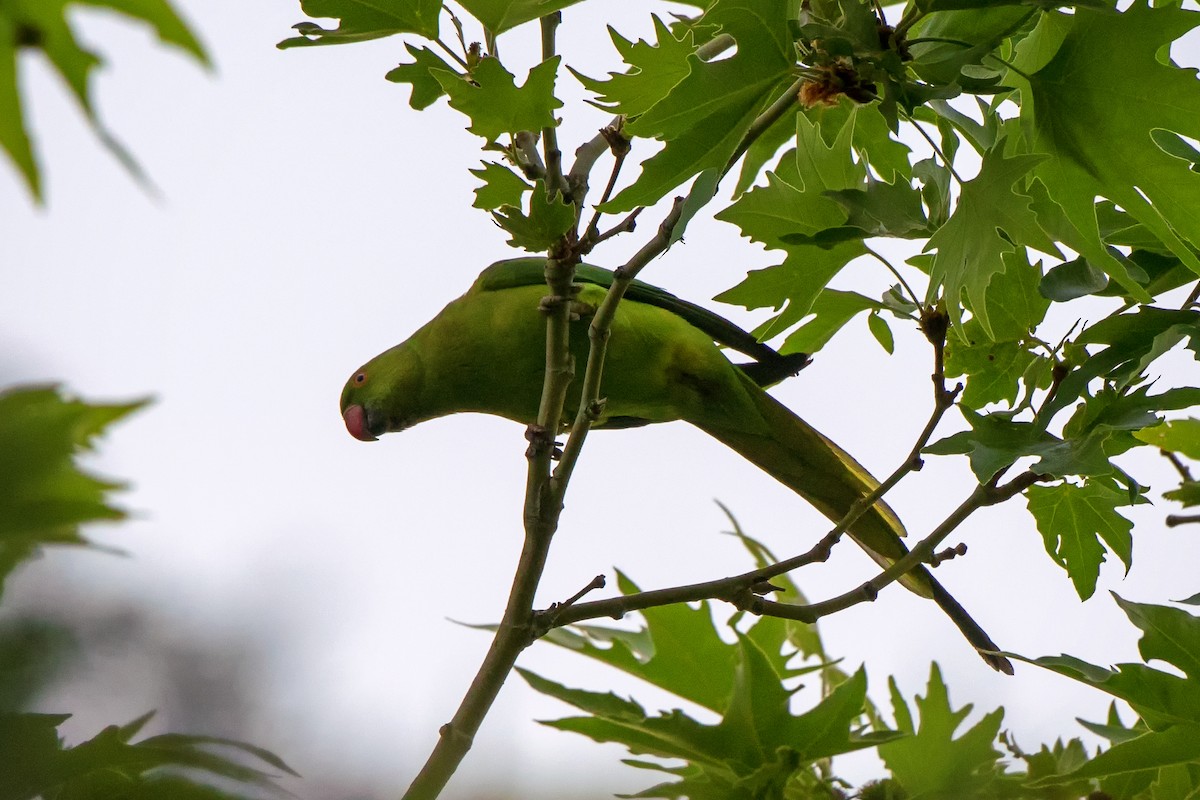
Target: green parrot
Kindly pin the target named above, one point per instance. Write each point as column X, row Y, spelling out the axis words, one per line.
column 485, row 352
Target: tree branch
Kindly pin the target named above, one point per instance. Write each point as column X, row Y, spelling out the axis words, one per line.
column 554, row 175
column 590, row 404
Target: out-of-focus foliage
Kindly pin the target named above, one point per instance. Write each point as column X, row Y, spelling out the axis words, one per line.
column 45, row 498
column 43, row 25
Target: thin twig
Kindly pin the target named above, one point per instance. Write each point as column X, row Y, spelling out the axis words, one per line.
column 920, row 554
column 586, row 156
column 554, row 175
column 626, row 225
column 766, row 119
column 1181, row 519
column 1178, row 464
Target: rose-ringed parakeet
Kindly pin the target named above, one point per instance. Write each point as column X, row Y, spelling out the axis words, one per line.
column 485, row 352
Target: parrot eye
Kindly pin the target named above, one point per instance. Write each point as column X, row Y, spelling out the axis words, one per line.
column 360, row 378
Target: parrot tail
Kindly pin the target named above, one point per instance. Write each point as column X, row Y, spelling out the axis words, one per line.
column 804, row 460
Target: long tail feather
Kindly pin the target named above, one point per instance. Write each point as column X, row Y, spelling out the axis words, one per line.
column 803, row 459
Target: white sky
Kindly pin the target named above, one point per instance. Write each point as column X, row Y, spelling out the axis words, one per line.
column 310, row 220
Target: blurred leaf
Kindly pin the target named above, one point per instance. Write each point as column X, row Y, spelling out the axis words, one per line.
column 1163, row 699
column 43, row 25
column 1076, row 522
column 110, row 765
column 44, row 496
column 490, row 97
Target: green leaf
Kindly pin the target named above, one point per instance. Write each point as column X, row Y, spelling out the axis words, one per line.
column 1014, row 305
column 1179, row 436
column 654, row 70
column 831, row 311
column 162, row 18
column 501, row 187
column 426, row 88
column 1076, row 522
column 706, row 114
column 972, row 244
column 882, row 333
column 44, row 496
column 362, row 20
column 548, row 219
column 993, row 443
column 13, row 136
column 1179, row 744
column 993, row 369
column 1161, row 698
column 1106, row 148
column 796, row 284
column 769, row 213
column 499, row 16
column 1071, row 279
column 42, row 24
column 932, row 762
column 490, row 97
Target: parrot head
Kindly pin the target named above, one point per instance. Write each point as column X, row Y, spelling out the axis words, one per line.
column 381, row 395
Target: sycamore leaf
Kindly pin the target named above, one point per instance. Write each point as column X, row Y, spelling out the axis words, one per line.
column 654, row 70
column 1162, row 699
column 490, row 97
column 1071, row 279
column 1076, row 522
column 993, row 442
column 548, row 219
column 704, row 117
column 501, row 187
column 426, row 88
column 499, row 16
column 1095, row 105
column 362, row 20
column 1131, row 342
column 780, row 209
column 830, row 313
column 931, row 762
column 993, row 369
column 1178, row 436
column 972, row 244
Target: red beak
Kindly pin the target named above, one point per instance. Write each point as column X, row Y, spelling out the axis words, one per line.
column 356, row 422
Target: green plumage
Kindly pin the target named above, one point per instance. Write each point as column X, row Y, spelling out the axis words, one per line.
column 485, row 352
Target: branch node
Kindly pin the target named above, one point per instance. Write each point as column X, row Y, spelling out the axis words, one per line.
column 957, row 550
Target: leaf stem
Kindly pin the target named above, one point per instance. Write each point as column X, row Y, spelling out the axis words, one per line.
column 911, row 294
column 937, row 149
column 766, row 119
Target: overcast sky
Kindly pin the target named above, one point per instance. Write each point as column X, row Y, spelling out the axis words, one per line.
column 310, row 219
